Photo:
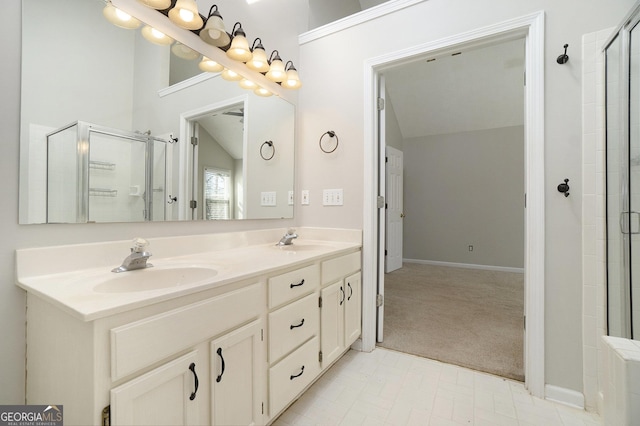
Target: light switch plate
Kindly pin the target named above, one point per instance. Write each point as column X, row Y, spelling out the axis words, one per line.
column 305, row 197
column 332, row 197
column 290, row 198
column 268, row 198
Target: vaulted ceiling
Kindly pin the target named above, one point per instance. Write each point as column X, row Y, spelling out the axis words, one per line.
column 466, row 90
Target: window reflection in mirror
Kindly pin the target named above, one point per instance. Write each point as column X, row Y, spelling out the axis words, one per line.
column 77, row 67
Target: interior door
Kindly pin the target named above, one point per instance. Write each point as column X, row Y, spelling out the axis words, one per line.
column 394, row 210
column 381, row 210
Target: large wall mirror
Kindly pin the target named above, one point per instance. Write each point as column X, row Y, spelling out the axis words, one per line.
column 103, row 127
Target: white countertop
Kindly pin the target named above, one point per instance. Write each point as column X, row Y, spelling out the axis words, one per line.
column 78, row 278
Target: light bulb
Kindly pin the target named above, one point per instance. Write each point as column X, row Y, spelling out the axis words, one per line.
column 123, row 16
column 186, row 15
column 247, row 84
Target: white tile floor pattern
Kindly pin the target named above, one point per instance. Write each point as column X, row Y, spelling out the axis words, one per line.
column 385, row 387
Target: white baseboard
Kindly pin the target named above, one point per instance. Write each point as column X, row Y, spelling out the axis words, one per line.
column 564, row 396
column 466, row 265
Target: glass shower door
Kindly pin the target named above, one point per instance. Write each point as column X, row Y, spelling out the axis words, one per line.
column 617, row 239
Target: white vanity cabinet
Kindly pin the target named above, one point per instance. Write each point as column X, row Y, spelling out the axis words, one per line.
column 237, row 351
column 341, row 305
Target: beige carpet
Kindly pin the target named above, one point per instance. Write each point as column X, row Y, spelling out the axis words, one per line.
column 468, row 317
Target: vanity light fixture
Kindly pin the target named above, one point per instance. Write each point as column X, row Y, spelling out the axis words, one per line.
column 292, row 79
column 157, row 4
column 239, row 49
column 184, row 52
column 261, row 91
column 155, row 36
column 230, row 75
column 214, row 32
column 258, row 61
column 185, row 15
column 209, row 65
column 119, row 18
column 276, row 68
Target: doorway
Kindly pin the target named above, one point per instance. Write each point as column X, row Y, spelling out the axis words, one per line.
column 531, row 27
column 457, row 292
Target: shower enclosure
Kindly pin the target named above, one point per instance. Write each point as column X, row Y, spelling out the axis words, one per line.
column 99, row 174
column 622, row 91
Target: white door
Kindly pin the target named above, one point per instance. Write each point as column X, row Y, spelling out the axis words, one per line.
column 394, row 215
column 167, row 395
column 236, row 376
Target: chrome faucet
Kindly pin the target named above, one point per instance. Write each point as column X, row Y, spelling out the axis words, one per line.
column 287, row 239
column 137, row 259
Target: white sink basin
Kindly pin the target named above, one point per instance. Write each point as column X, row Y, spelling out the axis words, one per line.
column 154, row 279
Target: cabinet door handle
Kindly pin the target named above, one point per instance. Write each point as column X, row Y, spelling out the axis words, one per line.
column 192, row 367
column 297, row 375
column 342, row 291
column 219, row 352
column 350, row 291
column 291, row 327
column 296, row 285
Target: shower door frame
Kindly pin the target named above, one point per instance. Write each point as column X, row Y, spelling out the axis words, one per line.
column 623, row 34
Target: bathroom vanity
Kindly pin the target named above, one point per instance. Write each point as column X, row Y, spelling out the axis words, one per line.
column 223, row 329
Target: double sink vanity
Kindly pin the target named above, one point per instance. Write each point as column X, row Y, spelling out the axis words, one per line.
column 222, row 329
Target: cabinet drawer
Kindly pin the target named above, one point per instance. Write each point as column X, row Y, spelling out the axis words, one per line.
column 291, row 375
column 286, row 287
column 291, row 325
column 335, row 269
column 142, row 343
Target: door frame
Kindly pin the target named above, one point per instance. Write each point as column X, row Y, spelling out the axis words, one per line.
column 531, row 27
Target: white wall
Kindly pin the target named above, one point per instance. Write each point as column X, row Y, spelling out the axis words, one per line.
column 333, row 99
column 464, row 189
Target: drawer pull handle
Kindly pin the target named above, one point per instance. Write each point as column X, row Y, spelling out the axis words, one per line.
column 219, row 352
column 296, row 285
column 291, row 327
column 297, row 375
column 192, row 367
column 342, row 291
column 350, row 291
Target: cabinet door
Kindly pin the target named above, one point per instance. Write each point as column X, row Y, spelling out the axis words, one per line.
column 332, row 322
column 353, row 308
column 161, row 396
column 236, row 376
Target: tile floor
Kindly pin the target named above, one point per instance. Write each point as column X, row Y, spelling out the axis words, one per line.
column 385, row 387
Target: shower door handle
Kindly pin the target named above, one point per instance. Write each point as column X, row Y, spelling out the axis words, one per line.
column 626, row 222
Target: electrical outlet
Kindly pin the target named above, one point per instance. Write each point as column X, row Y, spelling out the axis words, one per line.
column 470, row 247
column 305, row 197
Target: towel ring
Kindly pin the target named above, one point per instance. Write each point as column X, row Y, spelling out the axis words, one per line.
column 331, row 134
column 273, row 150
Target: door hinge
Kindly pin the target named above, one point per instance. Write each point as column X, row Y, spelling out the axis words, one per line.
column 262, row 334
column 320, row 356
column 525, row 321
column 380, row 104
column 106, row 416
column 386, row 159
column 320, row 302
column 380, row 202
column 194, row 141
column 263, row 408
column 525, row 78
column 379, row 300
column 385, row 252
column 193, row 204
